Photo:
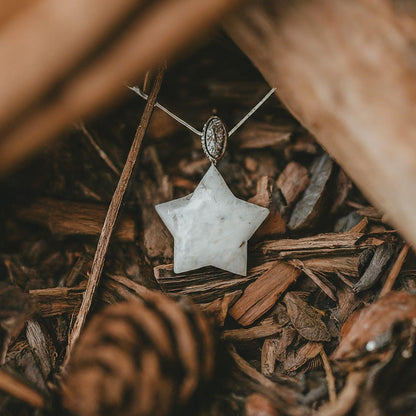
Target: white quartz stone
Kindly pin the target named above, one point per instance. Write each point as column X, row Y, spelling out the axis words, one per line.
column 211, row 226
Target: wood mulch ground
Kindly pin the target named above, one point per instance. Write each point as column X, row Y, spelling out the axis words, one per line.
column 323, row 322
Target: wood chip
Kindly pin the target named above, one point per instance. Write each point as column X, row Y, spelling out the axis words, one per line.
column 274, row 224
column 269, row 355
column 206, row 284
column 255, row 332
column 308, row 210
column 258, row 134
column 377, row 266
column 74, row 218
column 293, row 181
column 331, row 244
column 262, row 294
column 217, row 310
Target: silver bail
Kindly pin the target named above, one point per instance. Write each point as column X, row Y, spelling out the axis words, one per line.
column 214, row 139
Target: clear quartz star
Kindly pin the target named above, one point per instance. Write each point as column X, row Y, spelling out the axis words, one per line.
column 211, row 226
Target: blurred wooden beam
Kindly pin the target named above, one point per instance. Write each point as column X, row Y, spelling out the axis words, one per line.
column 346, row 70
column 70, row 72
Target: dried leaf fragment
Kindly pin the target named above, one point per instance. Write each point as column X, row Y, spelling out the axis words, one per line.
column 305, row 319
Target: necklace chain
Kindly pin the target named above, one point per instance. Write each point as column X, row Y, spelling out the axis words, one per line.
column 138, row 91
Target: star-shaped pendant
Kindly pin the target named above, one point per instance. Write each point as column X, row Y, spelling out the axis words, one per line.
column 211, row 226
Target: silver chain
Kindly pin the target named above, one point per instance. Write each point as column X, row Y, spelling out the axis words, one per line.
column 138, row 91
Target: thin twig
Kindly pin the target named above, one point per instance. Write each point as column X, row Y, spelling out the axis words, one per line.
column 395, row 270
column 344, row 279
column 110, row 220
column 281, row 393
column 346, row 398
column 327, row 290
column 98, row 149
column 330, row 379
column 20, row 390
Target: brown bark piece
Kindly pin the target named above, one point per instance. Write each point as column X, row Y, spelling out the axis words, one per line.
column 312, row 51
column 15, row 309
column 269, row 355
column 217, row 310
column 255, row 332
column 377, row 266
column 308, row 210
column 307, row 321
column 262, row 294
column 293, row 181
column 274, row 223
column 257, row 135
column 72, row 218
column 206, row 284
column 56, row 300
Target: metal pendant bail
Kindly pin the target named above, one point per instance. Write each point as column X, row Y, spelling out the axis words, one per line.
column 214, row 139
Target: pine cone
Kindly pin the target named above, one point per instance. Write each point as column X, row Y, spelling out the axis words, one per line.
column 139, row 358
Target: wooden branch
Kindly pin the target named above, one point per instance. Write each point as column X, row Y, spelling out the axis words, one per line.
column 111, row 218
column 317, row 245
column 346, row 71
column 247, row 334
column 70, row 218
column 19, row 390
column 56, row 300
column 87, row 79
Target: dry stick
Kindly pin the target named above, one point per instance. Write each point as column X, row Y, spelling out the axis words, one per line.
column 299, row 265
column 346, row 398
column 98, row 149
column 110, row 220
column 282, row 394
column 19, row 390
column 395, row 270
column 345, row 280
column 330, row 379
